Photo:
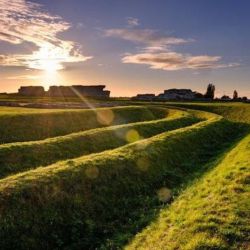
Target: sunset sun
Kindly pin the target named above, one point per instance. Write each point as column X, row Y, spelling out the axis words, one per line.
column 48, row 59
column 50, row 65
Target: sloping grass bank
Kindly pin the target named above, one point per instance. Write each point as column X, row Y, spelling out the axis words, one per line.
column 28, row 126
column 103, row 199
column 238, row 112
column 17, row 157
column 213, row 213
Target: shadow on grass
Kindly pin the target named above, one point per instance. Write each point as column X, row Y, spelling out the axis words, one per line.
column 66, row 209
column 148, row 206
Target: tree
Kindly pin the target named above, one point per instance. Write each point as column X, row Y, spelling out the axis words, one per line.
column 210, row 91
column 198, row 95
column 225, row 97
column 235, row 95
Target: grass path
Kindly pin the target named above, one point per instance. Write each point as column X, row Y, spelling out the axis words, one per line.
column 213, row 213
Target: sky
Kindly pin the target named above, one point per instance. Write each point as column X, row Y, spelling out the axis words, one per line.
column 132, row 46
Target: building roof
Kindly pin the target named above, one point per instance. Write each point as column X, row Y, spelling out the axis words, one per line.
column 178, row 91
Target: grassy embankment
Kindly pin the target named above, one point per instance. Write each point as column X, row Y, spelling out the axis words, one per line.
column 238, row 112
column 20, row 124
column 213, row 213
column 105, row 198
column 14, row 98
column 20, row 156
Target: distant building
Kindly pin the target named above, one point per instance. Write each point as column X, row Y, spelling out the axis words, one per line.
column 177, row 94
column 171, row 94
column 144, row 97
column 31, row 91
column 95, row 91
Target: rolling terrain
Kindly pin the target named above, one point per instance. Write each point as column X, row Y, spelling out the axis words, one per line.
column 165, row 176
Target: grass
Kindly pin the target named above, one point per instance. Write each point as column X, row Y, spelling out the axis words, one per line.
column 139, row 177
column 20, row 124
column 17, row 157
column 238, row 112
column 213, row 213
column 10, row 111
column 36, row 99
column 101, row 200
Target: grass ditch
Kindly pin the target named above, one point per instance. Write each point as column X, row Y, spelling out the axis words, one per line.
column 17, row 157
column 213, row 213
column 101, row 200
column 29, row 126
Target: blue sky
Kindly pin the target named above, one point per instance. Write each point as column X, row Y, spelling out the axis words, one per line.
column 131, row 46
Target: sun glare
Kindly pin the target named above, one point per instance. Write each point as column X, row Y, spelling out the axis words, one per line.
column 48, row 58
column 50, row 66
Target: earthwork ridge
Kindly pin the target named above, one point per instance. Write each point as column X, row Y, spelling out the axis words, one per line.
column 124, row 177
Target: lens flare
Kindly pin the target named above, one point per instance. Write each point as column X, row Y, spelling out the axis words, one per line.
column 164, row 194
column 143, row 163
column 105, row 116
column 92, row 172
column 132, row 135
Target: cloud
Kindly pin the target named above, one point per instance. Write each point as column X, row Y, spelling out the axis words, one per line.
column 23, row 21
column 175, row 61
column 157, row 51
column 23, row 77
column 132, row 22
column 80, row 25
column 147, row 37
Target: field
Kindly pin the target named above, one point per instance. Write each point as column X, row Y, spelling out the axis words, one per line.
column 136, row 176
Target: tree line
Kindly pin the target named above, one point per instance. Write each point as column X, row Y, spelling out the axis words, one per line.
column 210, row 94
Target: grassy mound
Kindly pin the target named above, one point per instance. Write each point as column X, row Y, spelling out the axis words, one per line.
column 238, row 112
column 17, row 157
column 102, row 199
column 31, row 125
column 213, row 213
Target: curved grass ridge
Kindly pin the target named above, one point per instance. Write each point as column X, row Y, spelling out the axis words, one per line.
column 29, row 126
column 238, row 112
column 17, row 157
column 82, row 203
column 213, row 213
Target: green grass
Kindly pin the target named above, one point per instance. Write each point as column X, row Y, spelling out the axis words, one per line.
column 178, row 181
column 101, row 200
column 239, row 112
column 34, row 99
column 10, row 111
column 213, row 213
column 20, row 124
column 17, row 157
